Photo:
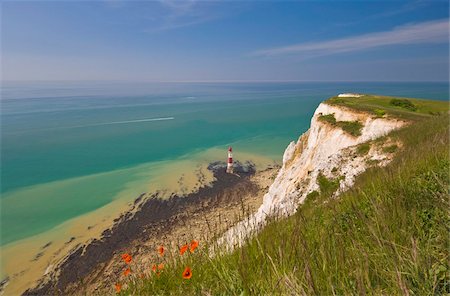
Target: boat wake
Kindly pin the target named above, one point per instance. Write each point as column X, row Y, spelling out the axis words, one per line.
column 125, row 122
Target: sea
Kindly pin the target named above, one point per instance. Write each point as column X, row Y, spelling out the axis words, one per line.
column 69, row 149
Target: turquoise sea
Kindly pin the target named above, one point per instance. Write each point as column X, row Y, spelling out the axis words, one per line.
column 68, row 148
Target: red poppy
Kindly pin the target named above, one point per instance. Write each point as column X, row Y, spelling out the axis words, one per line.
column 127, row 258
column 183, row 249
column 154, row 267
column 194, row 245
column 127, row 271
column 187, row 274
column 161, row 251
column 118, row 287
column 161, row 266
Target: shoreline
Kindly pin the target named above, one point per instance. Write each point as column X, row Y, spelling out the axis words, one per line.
column 138, row 232
column 26, row 261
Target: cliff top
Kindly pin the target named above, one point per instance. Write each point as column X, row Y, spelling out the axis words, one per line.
column 403, row 108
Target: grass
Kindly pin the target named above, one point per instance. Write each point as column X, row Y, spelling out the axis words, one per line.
column 388, row 235
column 404, row 103
column 379, row 112
column 351, row 127
column 313, row 195
column 390, row 149
column 375, row 104
column 329, row 118
column 363, row 148
column 327, row 186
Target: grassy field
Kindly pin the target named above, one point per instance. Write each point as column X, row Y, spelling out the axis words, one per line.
column 388, row 235
column 383, row 105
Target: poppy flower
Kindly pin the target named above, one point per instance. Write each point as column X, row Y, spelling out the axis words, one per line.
column 118, row 287
column 154, row 267
column 161, row 251
column 161, row 266
column 194, row 245
column 183, row 249
column 127, row 271
column 127, row 258
column 187, row 274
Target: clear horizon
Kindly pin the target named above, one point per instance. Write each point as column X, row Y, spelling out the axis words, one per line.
column 231, row 81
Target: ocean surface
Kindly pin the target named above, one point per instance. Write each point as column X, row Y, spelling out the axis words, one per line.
column 70, row 148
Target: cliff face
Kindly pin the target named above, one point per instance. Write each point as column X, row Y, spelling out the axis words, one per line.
column 324, row 149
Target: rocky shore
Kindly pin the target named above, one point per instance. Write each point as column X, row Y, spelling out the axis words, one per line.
column 205, row 214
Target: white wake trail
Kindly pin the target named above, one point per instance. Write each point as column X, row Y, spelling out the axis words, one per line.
column 129, row 121
column 98, row 124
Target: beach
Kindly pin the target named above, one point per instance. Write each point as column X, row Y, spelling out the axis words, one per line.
column 40, row 254
column 153, row 221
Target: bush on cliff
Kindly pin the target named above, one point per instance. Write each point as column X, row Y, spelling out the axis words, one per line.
column 404, row 103
column 351, row 127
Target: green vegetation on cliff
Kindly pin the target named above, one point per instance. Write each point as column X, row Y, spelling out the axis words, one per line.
column 388, row 235
column 351, row 127
column 405, row 108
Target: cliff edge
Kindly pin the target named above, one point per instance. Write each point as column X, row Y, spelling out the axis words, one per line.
column 330, row 151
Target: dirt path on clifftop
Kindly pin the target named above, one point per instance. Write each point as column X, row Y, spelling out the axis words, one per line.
column 202, row 215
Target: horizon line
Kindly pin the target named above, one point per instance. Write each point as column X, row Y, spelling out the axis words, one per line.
column 219, row 81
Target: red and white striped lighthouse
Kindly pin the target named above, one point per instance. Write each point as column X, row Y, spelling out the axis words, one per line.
column 230, row 161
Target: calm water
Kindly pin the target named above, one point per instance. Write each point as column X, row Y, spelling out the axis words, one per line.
column 65, row 145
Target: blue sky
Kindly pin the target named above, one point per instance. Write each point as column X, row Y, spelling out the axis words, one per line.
column 225, row 40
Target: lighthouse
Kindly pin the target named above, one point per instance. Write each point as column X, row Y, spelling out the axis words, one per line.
column 230, row 161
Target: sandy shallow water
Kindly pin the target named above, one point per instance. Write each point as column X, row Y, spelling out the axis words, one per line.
column 25, row 261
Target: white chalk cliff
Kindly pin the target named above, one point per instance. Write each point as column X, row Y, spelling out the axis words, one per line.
column 324, row 148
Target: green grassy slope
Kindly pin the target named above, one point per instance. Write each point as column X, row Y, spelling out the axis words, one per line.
column 387, row 235
column 377, row 104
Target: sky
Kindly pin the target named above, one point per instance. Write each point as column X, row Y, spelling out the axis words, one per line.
column 193, row 40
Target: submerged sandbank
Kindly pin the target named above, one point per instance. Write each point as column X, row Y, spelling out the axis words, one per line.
column 94, row 268
column 27, row 260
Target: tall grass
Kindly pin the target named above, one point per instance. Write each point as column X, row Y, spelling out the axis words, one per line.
column 387, row 235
